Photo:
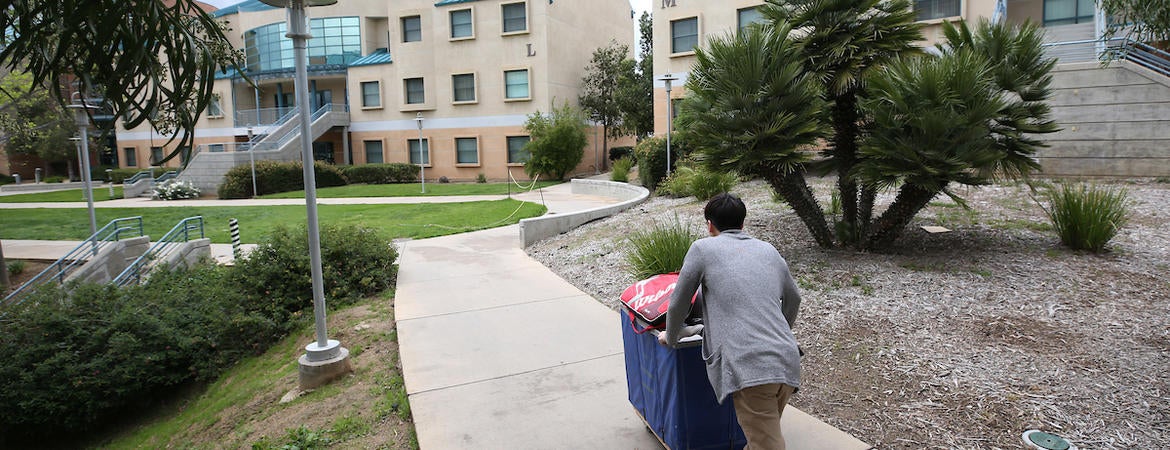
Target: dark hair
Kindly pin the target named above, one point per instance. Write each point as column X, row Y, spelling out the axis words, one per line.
column 726, row 212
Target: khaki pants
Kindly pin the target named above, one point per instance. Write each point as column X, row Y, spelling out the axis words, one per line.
column 758, row 409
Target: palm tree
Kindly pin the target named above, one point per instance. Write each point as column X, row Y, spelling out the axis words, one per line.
column 844, row 42
column 751, row 108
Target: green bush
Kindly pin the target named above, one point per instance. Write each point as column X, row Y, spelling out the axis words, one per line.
column 381, row 173
column 6, row 179
column 651, row 156
column 75, row 357
column 481, row 178
column 15, row 267
column 660, row 249
column 355, row 262
column 558, row 142
column 276, row 176
column 686, row 181
column 617, row 153
column 621, row 170
column 54, row 179
column 1086, row 217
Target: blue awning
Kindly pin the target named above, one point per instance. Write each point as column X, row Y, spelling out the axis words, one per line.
column 378, row 57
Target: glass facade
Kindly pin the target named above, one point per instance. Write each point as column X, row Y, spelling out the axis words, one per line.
column 467, row 151
column 461, row 24
column 336, row 40
column 684, row 35
column 516, row 152
column 516, row 84
column 464, row 87
column 748, row 16
column 1067, row 12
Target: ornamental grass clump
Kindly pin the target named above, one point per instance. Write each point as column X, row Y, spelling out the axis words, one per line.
column 621, row 169
column 1087, row 217
column 660, row 249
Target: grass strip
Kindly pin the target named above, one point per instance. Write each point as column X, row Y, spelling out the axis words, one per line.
column 100, row 194
column 411, row 190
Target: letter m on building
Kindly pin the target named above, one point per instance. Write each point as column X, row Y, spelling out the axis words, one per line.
column 668, row 3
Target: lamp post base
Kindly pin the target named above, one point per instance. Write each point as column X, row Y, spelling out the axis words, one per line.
column 320, row 366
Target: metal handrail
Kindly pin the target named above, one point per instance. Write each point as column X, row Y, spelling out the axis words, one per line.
column 142, row 175
column 167, row 244
column 166, row 176
column 63, row 267
column 1123, row 48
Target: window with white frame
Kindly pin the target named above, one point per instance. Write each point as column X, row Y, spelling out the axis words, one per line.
column 1067, row 12
column 467, row 150
column 462, row 26
column 419, row 154
column 515, row 17
column 415, row 91
column 938, row 9
column 684, row 34
column 373, row 151
column 747, row 16
column 130, row 154
column 411, row 29
column 463, row 87
column 516, row 84
column 371, row 94
column 516, row 152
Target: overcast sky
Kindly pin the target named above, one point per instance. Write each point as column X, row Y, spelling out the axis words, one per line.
column 638, row 5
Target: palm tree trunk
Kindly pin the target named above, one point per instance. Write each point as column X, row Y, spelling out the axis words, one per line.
column 4, row 282
column 865, row 212
column 845, row 154
column 890, row 225
column 793, row 188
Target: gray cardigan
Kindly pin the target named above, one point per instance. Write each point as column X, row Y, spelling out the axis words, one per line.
column 749, row 306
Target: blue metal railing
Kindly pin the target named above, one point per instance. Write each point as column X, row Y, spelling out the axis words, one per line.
column 143, row 175
column 1110, row 49
column 182, row 232
column 66, row 265
column 166, row 176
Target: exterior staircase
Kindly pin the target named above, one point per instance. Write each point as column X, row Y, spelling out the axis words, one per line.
column 282, row 142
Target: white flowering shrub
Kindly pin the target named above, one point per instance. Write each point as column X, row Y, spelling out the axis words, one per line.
column 176, row 190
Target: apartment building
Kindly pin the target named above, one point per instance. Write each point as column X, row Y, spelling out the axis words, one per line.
column 446, row 84
column 1115, row 117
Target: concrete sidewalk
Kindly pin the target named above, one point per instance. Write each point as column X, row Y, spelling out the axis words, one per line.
column 500, row 352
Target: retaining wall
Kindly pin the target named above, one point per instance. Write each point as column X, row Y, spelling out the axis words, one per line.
column 537, row 228
column 111, row 261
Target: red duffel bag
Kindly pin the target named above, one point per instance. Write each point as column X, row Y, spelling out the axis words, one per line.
column 647, row 301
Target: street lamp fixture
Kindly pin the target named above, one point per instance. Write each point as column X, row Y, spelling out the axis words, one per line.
column 667, row 79
column 422, row 163
column 325, row 359
column 81, row 118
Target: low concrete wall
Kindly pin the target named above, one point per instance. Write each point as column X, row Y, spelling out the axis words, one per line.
column 188, row 253
column 537, row 228
column 111, row 261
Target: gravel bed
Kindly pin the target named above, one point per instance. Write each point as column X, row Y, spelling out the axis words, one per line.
column 962, row 339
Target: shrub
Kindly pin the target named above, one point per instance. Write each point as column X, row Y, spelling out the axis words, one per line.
column 558, row 142
column 651, row 157
column 6, row 179
column 74, row 357
column 381, row 173
column 660, row 249
column 481, row 178
column 176, row 190
column 355, row 262
column 621, row 170
column 1085, row 217
column 699, row 182
column 617, row 153
column 54, row 179
column 15, row 267
column 276, row 176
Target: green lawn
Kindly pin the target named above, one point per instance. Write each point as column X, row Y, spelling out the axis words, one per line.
column 71, row 195
column 410, row 190
column 257, row 222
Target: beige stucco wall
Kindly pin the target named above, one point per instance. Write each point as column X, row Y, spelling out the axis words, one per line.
column 555, row 49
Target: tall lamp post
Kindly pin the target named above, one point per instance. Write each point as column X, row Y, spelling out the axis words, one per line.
column 667, row 79
column 325, row 359
column 81, row 117
column 422, row 163
column 252, row 159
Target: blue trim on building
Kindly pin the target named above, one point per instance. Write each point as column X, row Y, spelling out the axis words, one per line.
column 378, row 57
column 453, row 2
column 245, row 6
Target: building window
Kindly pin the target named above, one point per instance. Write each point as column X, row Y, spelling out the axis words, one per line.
column 214, row 108
column 371, row 94
column 415, row 91
column 130, row 154
column 466, row 151
column 420, row 155
column 464, row 87
column 411, row 29
column 747, row 16
column 337, row 40
column 461, row 24
column 938, row 9
column 684, row 35
column 1066, row 12
column 516, row 84
column 156, row 155
column 373, row 152
column 516, row 152
column 215, row 148
column 515, row 17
